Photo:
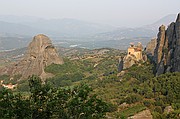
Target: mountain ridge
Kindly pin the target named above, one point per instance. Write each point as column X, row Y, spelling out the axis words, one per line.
column 87, row 39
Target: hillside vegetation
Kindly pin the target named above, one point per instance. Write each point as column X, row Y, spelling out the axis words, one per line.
column 93, row 80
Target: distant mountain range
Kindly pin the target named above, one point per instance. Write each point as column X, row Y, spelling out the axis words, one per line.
column 52, row 27
column 16, row 32
column 165, row 21
column 143, row 31
column 25, row 25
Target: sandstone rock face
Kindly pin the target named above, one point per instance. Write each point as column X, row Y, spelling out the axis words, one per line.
column 40, row 54
column 129, row 60
column 160, row 44
column 176, row 65
column 167, row 51
column 134, row 56
column 146, row 114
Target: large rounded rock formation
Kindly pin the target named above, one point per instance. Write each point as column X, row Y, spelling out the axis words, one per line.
column 40, row 53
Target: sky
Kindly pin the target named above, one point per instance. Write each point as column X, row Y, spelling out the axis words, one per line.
column 123, row 13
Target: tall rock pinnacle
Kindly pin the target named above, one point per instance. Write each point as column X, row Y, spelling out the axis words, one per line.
column 178, row 18
column 167, row 51
column 160, row 44
column 40, row 53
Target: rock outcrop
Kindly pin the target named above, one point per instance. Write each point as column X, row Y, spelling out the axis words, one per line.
column 167, row 51
column 146, row 114
column 128, row 61
column 40, row 53
column 168, row 109
column 134, row 56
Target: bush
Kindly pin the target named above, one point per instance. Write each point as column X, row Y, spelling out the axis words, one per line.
column 158, row 109
column 132, row 110
column 45, row 102
column 148, row 103
column 24, row 87
column 132, row 98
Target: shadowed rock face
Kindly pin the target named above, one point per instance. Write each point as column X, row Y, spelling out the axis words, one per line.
column 40, row 54
column 167, row 51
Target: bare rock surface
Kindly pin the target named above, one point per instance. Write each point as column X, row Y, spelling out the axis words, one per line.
column 167, row 51
column 40, row 53
column 146, row 114
column 134, row 56
column 168, row 109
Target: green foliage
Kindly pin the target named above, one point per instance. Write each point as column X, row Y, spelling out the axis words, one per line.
column 131, row 111
column 69, row 72
column 46, row 102
column 92, row 77
column 66, row 79
column 158, row 109
column 148, row 103
column 6, row 79
column 13, row 105
column 70, row 67
column 138, row 87
column 143, row 72
column 85, row 107
column 173, row 115
column 157, row 115
column 132, row 98
column 77, row 70
column 23, row 86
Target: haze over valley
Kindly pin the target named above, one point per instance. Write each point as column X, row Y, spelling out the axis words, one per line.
column 89, row 59
column 74, row 33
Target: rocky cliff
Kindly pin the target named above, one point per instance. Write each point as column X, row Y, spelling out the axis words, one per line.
column 40, row 53
column 167, row 51
column 134, row 56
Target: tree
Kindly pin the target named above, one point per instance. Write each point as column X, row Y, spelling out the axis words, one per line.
column 46, row 102
column 40, row 98
column 85, row 106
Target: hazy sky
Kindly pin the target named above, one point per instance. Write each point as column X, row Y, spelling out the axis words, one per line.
column 114, row 12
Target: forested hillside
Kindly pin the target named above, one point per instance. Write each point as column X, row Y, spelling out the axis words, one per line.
column 92, row 87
